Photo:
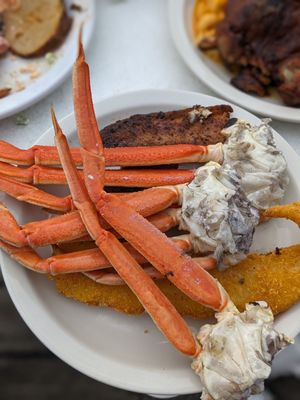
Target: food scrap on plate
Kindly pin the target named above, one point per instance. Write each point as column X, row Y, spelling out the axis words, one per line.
column 36, row 27
column 30, row 29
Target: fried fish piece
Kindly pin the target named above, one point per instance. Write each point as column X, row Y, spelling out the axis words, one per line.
column 273, row 277
column 195, row 125
column 289, row 211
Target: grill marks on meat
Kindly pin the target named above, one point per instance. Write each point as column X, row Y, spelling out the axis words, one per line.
column 164, row 128
column 262, row 37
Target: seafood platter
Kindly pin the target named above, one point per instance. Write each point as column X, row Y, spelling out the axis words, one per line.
column 163, row 214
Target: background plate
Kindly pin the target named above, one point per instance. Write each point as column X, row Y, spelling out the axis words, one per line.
column 215, row 75
column 106, row 345
column 51, row 75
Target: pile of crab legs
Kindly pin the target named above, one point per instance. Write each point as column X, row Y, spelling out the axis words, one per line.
column 91, row 213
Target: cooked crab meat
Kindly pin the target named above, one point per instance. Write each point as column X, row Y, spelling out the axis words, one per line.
column 251, row 151
column 237, row 352
column 217, row 213
column 220, row 206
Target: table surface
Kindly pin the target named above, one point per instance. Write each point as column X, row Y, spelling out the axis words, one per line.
column 131, row 49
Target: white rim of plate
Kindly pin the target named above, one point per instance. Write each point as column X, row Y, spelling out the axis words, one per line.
column 190, row 55
column 43, row 86
column 143, row 98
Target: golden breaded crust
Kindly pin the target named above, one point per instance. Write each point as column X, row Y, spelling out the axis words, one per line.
column 289, row 211
column 274, row 278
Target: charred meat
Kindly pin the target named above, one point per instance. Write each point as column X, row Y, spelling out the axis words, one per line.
column 196, row 125
column 262, row 37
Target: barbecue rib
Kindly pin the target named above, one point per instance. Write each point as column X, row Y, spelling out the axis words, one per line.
column 262, row 37
column 196, row 125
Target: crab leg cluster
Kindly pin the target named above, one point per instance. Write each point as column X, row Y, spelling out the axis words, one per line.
column 125, row 230
column 69, row 226
column 156, row 304
column 186, row 273
column 91, row 213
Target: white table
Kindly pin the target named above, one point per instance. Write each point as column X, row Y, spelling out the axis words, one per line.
column 132, row 49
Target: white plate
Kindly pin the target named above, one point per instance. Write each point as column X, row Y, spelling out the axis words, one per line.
column 106, row 345
column 51, row 76
column 215, row 75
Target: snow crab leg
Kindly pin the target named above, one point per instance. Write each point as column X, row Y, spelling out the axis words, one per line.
column 158, row 306
column 167, row 257
column 154, row 199
column 31, row 194
column 93, row 259
column 39, row 175
column 113, row 279
column 68, row 227
column 79, row 261
column 120, row 156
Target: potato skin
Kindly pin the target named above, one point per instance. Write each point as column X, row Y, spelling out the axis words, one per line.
column 273, row 277
column 63, row 27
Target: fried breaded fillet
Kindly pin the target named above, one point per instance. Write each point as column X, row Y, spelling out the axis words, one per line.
column 289, row 211
column 196, row 125
column 273, row 277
